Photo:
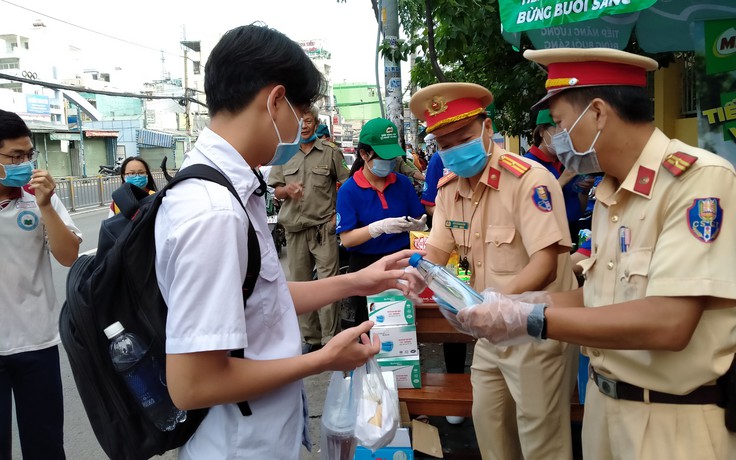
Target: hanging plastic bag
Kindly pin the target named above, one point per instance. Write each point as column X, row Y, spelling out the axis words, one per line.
column 378, row 411
column 340, row 411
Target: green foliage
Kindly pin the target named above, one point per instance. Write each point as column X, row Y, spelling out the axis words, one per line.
column 470, row 48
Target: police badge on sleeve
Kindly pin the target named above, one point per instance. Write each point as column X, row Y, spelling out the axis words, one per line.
column 704, row 218
column 541, row 198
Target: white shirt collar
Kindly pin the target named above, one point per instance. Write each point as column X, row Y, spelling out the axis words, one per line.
column 228, row 160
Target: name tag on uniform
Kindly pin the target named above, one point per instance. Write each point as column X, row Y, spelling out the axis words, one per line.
column 26, row 204
column 456, row 224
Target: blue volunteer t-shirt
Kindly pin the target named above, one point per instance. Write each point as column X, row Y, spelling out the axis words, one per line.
column 435, row 171
column 359, row 204
column 569, row 191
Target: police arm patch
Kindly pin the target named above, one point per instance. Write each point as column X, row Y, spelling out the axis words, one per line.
column 541, row 198
column 704, row 219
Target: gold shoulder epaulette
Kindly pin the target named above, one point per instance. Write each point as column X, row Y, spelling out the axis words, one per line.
column 514, row 165
column 331, row 144
column 678, row 162
column 446, row 179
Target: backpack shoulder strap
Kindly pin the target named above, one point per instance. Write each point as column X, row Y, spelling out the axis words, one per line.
column 200, row 171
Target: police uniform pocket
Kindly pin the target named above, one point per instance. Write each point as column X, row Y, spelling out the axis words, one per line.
column 633, row 273
column 501, row 256
column 321, row 176
column 291, row 175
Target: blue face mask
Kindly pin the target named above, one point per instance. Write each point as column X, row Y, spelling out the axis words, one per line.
column 574, row 161
column 382, row 168
column 17, row 175
column 465, row 160
column 311, row 138
column 139, row 181
column 285, row 151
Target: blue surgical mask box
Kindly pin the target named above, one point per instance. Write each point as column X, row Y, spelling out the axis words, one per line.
column 397, row 340
column 390, row 308
column 401, row 444
column 406, row 370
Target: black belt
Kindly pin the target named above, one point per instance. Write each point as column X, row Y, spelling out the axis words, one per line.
column 709, row 394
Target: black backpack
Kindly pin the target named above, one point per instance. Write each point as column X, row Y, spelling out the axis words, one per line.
column 119, row 284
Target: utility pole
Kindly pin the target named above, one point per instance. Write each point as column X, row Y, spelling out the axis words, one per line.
column 82, row 160
column 392, row 70
column 187, row 121
column 414, row 129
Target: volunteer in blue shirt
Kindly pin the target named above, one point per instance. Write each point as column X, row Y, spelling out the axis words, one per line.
column 376, row 208
column 543, row 153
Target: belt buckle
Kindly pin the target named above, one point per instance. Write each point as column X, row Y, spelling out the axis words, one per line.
column 606, row 386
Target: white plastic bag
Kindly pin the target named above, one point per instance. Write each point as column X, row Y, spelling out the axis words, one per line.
column 378, row 412
column 338, row 439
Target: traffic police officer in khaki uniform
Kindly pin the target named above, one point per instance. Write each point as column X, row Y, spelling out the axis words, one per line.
column 506, row 217
column 660, row 322
column 308, row 185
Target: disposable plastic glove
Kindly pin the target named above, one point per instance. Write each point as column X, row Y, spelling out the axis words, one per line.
column 392, row 225
column 452, row 319
column 505, row 320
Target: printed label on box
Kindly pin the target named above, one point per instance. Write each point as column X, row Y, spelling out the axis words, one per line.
column 405, row 369
column 396, row 340
column 390, row 308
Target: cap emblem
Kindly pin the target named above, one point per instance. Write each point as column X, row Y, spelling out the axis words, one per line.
column 573, row 82
column 437, row 105
column 389, row 129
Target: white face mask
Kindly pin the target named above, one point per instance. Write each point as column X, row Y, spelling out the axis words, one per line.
column 574, row 161
column 285, row 150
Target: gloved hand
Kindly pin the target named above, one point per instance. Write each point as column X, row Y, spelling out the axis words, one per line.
column 452, row 319
column 392, row 225
column 504, row 320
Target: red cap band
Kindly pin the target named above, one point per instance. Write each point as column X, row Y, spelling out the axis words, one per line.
column 442, row 113
column 594, row 73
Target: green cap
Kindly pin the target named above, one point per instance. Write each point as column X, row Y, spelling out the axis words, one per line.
column 383, row 137
column 544, row 118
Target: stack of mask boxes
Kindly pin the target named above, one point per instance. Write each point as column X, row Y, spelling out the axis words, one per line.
column 393, row 315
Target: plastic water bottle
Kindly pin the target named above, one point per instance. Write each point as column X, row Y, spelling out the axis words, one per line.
column 144, row 376
column 449, row 291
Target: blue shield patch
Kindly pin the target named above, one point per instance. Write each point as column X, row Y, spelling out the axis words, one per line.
column 704, row 218
column 541, row 198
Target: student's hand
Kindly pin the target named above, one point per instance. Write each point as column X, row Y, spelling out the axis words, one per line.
column 415, row 283
column 386, row 273
column 344, row 353
column 43, row 186
column 503, row 320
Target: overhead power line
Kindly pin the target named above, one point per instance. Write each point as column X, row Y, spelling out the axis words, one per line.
column 51, row 85
column 89, row 30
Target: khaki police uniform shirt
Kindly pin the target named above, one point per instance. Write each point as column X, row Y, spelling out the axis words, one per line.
column 679, row 239
column 508, row 219
column 318, row 170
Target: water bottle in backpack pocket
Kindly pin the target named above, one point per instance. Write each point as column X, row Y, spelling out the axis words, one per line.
column 144, row 376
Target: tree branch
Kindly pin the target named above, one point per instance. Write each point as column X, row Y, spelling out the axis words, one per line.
column 430, row 39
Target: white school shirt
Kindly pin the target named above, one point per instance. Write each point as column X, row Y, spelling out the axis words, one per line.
column 29, row 312
column 201, row 259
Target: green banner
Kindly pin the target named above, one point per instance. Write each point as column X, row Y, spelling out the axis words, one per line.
column 720, row 46
column 716, row 82
column 521, row 15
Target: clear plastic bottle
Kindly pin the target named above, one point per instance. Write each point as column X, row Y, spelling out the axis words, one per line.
column 449, row 291
column 144, row 376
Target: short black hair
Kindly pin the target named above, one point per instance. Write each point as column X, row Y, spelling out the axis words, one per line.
column 631, row 103
column 250, row 58
column 12, row 126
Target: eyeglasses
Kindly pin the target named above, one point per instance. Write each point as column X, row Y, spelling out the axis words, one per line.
column 133, row 174
column 19, row 158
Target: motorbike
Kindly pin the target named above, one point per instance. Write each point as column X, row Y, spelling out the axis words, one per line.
column 278, row 233
column 111, row 170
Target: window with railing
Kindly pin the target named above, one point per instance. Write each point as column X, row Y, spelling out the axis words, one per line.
column 689, row 100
